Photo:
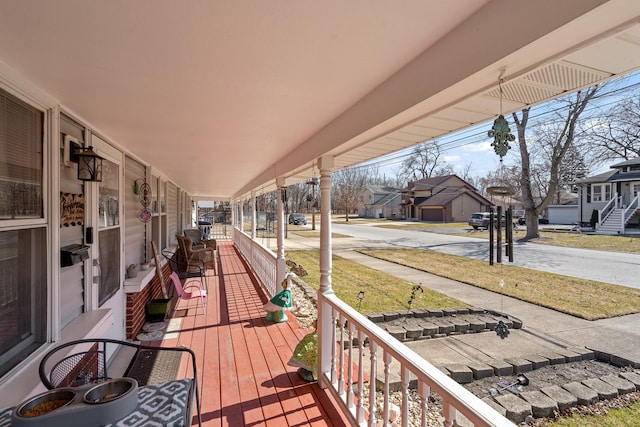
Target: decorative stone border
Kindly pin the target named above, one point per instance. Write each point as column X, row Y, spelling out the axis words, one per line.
column 411, row 325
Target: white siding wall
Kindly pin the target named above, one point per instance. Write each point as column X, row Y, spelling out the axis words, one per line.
column 134, row 229
column 71, row 278
column 172, row 213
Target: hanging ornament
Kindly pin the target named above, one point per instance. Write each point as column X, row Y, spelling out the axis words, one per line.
column 501, row 135
column 500, row 132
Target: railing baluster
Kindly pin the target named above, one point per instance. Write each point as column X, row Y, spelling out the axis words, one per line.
column 373, row 348
column 404, row 378
column 333, row 346
column 360, row 408
column 448, row 412
column 424, row 391
column 341, row 379
column 387, row 364
column 350, row 367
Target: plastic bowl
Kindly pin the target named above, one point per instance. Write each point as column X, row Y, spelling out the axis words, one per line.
column 110, row 390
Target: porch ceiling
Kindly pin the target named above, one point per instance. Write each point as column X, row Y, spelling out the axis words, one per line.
column 221, row 97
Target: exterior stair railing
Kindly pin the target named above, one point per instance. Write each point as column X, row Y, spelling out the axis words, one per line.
column 606, row 211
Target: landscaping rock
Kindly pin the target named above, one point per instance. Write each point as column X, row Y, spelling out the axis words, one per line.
column 519, row 364
column 517, row 409
column 570, row 356
column 604, row 390
column 554, row 358
column 632, row 377
column 501, row 368
column 537, row 361
column 460, row 373
column 480, row 370
column 562, row 397
column 429, row 329
column 624, row 386
column 583, row 394
column 541, row 405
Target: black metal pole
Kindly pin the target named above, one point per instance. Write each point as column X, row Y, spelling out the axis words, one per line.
column 510, row 238
column 490, row 236
column 499, row 236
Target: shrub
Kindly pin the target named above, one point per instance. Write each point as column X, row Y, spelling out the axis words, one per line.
column 594, row 218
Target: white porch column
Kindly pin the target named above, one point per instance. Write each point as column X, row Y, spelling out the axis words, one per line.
column 241, row 215
column 325, row 324
column 280, row 261
column 253, row 215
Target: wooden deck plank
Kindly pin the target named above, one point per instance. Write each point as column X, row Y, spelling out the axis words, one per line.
column 244, row 376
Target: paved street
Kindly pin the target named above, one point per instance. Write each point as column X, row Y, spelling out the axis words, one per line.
column 609, row 267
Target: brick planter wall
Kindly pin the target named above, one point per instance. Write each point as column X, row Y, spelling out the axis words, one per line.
column 137, row 301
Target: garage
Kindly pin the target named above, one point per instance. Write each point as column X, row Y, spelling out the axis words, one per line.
column 433, row 214
column 562, row 214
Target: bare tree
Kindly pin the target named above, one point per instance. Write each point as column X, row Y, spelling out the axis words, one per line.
column 563, row 138
column 425, row 161
column 505, row 176
column 616, row 135
column 348, row 185
column 296, row 197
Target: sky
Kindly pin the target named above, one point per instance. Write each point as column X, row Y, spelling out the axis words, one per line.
column 473, row 146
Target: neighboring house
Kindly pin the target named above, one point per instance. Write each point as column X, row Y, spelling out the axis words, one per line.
column 443, row 198
column 381, row 202
column 614, row 195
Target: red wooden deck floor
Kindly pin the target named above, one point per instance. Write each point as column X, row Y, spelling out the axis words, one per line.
column 242, row 359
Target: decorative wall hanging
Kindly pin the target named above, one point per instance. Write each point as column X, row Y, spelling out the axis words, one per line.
column 144, row 194
column 145, row 215
column 71, row 209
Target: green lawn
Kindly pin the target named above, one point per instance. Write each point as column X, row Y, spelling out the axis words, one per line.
column 382, row 292
column 626, row 244
column 583, row 298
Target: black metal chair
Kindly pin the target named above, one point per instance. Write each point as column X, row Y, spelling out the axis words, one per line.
column 80, row 362
column 186, row 270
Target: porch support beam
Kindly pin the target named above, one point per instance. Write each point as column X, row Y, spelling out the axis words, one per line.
column 325, row 324
column 241, row 215
column 280, row 261
column 253, row 215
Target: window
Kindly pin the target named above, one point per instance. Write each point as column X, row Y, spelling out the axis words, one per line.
column 23, row 251
column 20, row 159
column 23, row 294
column 109, row 245
column 108, row 208
column 600, row 192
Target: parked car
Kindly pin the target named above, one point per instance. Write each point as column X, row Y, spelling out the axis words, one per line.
column 481, row 220
column 541, row 220
column 297, row 219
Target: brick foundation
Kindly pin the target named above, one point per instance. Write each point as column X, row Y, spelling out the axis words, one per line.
column 137, row 301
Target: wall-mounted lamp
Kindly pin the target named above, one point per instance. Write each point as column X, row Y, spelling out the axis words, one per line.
column 89, row 165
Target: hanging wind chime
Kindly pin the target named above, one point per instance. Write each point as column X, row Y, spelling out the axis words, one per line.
column 501, row 134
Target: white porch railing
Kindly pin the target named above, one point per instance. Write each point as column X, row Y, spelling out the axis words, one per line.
column 629, row 211
column 366, row 343
column 608, row 208
column 364, row 347
column 261, row 260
